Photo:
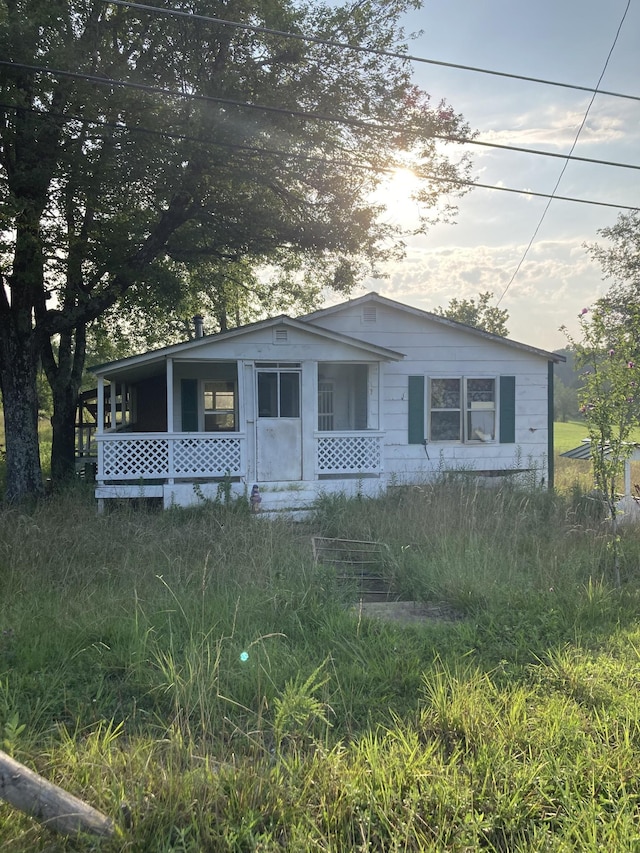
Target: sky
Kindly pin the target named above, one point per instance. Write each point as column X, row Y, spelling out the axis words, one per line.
column 562, row 40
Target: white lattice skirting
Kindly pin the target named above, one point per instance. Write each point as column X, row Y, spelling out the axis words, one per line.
column 154, row 458
column 199, row 457
column 349, row 454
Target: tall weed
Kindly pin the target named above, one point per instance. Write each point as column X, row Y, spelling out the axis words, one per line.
column 196, row 667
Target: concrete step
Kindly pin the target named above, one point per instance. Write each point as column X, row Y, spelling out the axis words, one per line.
column 276, row 498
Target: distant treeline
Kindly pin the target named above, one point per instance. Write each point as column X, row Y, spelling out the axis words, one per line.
column 566, row 383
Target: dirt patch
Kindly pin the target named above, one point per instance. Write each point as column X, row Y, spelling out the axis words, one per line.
column 408, row 612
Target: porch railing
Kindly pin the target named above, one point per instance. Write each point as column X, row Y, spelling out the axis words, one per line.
column 161, row 456
column 349, row 453
column 151, row 456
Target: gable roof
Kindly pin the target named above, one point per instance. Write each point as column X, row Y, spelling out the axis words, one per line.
column 376, row 298
column 186, row 347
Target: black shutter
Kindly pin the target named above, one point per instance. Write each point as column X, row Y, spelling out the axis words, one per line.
column 507, row 409
column 416, row 410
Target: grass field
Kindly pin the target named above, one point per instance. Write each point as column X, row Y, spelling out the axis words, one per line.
column 571, row 472
column 568, row 435
column 512, row 727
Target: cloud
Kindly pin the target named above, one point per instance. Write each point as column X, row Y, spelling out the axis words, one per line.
column 554, row 282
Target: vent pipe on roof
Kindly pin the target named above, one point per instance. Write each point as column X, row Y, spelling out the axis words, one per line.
column 198, row 322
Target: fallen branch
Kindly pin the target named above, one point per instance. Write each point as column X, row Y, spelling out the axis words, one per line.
column 48, row 803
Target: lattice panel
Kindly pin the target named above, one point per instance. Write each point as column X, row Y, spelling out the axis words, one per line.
column 126, row 459
column 349, row 454
column 207, row 457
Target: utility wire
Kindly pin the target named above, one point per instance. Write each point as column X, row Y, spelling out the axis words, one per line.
column 360, row 48
column 261, row 151
column 520, row 149
column 193, row 96
column 69, row 117
column 550, row 196
column 564, row 168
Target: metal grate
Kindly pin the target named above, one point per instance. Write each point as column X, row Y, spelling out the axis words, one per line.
column 365, row 564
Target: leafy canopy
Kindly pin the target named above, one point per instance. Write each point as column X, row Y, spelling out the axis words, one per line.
column 144, row 151
column 608, row 356
column 478, row 313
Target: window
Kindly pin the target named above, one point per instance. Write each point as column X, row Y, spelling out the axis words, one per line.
column 462, row 409
column 445, row 408
column 279, row 394
column 219, row 406
column 481, row 410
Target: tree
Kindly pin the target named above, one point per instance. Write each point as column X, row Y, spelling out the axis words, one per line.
column 610, row 399
column 620, row 259
column 565, row 401
column 478, row 313
column 227, row 295
column 136, row 143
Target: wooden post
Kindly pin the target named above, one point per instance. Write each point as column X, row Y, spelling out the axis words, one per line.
column 55, row 808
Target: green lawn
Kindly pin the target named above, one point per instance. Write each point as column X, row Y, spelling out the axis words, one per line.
column 568, row 435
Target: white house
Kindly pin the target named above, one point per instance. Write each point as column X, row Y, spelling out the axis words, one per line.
column 350, row 398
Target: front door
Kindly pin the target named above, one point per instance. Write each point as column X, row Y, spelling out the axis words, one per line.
column 279, row 425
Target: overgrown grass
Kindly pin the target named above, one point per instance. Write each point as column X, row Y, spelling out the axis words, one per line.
column 197, row 667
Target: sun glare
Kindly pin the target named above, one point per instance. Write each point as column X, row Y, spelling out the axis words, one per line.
column 395, row 194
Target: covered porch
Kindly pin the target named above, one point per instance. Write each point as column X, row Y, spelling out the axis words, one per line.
column 179, row 429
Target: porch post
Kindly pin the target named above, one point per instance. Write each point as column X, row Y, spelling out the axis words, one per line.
column 99, row 439
column 309, row 415
column 113, row 397
column 247, row 414
column 374, row 411
column 169, row 364
column 170, row 424
column 100, row 428
column 124, row 405
column 100, row 415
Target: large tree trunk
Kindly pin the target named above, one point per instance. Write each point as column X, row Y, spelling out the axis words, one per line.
column 65, row 377
column 18, row 371
column 63, row 445
column 19, row 357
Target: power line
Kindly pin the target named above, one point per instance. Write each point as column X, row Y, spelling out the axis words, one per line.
column 564, row 168
column 550, row 196
column 183, row 137
column 346, row 120
column 519, row 148
column 361, row 49
column 261, row 151
column 192, row 96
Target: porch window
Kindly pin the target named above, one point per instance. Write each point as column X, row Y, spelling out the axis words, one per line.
column 343, row 397
column 219, row 406
column 325, row 405
column 462, row 409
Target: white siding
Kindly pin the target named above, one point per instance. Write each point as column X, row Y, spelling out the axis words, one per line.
column 432, row 349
